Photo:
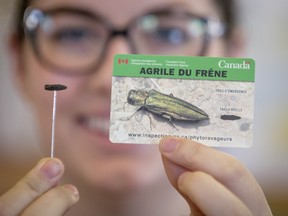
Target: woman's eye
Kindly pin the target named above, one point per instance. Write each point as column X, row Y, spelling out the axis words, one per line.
column 72, row 35
column 171, row 35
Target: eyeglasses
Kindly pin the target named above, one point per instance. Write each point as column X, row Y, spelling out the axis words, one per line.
column 73, row 41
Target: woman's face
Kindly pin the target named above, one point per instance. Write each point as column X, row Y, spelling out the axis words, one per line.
column 82, row 119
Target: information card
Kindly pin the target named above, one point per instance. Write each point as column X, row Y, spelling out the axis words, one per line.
column 206, row 99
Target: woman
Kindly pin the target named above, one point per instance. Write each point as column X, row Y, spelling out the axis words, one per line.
column 73, row 43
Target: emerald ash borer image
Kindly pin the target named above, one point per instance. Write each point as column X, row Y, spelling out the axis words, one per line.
column 166, row 106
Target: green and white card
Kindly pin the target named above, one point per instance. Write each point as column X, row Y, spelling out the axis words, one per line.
column 206, row 99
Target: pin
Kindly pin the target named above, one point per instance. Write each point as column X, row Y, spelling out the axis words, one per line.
column 54, row 88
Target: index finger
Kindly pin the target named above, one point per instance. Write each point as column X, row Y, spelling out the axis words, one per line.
column 185, row 155
column 42, row 177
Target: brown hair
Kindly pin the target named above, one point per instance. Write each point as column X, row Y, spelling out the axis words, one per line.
column 226, row 7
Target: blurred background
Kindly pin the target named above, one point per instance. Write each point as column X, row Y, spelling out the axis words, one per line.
column 266, row 25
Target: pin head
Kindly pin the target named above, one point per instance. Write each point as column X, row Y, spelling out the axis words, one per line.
column 55, row 87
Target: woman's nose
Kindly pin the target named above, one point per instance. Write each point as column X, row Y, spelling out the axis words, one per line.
column 101, row 79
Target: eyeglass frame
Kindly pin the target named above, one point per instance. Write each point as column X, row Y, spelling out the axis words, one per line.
column 214, row 28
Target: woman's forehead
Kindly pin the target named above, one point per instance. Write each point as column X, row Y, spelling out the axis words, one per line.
column 128, row 9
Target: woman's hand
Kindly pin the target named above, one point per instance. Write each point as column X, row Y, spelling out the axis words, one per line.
column 212, row 182
column 38, row 194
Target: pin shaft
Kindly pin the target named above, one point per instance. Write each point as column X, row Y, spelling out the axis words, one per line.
column 53, row 123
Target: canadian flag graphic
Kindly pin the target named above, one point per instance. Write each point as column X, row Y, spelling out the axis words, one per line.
column 123, row 61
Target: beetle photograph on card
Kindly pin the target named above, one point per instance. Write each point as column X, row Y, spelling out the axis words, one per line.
column 167, row 106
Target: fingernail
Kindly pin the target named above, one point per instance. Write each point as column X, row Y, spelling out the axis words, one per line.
column 51, row 168
column 72, row 189
column 169, row 145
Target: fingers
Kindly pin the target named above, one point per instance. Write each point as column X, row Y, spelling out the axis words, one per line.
column 180, row 155
column 54, row 202
column 210, row 197
column 44, row 176
column 173, row 171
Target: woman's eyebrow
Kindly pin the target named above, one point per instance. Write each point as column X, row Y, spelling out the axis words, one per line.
column 70, row 9
column 170, row 8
